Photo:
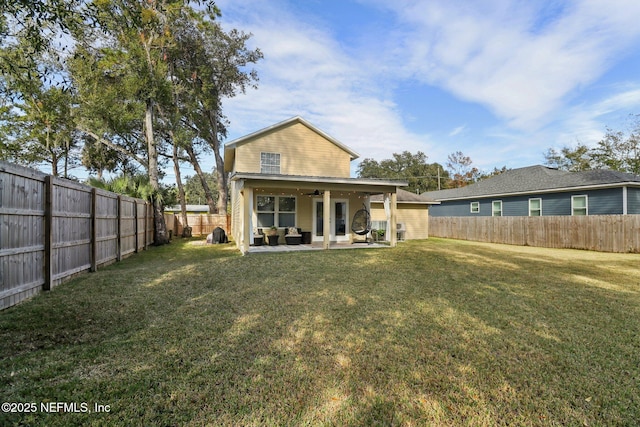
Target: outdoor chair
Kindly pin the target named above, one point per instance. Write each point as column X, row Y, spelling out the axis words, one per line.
column 258, row 237
column 293, row 235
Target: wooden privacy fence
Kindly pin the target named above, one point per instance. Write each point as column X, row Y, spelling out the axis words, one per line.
column 605, row 233
column 52, row 228
column 201, row 224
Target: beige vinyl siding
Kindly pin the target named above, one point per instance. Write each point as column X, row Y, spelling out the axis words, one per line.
column 414, row 217
column 235, row 211
column 302, row 152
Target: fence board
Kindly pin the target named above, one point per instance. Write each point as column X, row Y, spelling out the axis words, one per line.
column 51, row 229
column 22, row 207
column 106, row 227
column 201, row 224
column 604, row 233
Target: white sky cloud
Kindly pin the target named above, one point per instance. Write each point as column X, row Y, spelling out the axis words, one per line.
column 503, row 57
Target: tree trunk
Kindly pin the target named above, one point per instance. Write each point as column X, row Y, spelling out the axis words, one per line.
column 176, row 169
column 214, row 143
column 160, row 228
column 207, row 191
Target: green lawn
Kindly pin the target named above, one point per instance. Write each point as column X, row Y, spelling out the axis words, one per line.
column 436, row 332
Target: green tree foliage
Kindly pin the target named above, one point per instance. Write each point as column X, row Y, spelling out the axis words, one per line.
column 569, row 159
column 413, row 168
column 194, row 191
column 98, row 158
column 617, row 150
column 37, row 120
column 135, row 185
column 35, row 25
column 494, row 172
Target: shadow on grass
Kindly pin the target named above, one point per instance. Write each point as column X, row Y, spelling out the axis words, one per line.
column 437, row 332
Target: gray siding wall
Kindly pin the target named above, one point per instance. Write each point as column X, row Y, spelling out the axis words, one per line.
column 601, row 202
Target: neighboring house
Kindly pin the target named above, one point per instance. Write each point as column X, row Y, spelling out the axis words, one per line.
column 294, row 175
column 539, row 190
column 412, row 217
column 191, row 209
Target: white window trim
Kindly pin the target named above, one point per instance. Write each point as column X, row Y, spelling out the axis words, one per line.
column 586, row 204
column 535, row 198
column 471, row 205
column 264, row 165
column 276, row 211
column 493, row 211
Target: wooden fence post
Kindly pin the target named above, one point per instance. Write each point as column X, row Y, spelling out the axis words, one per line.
column 48, row 233
column 94, row 230
column 119, row 244
column 135, row 219
column 146, row 216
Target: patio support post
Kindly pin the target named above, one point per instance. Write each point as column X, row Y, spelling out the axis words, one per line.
column 394, row 220
column 326, row 220
column 247, row 197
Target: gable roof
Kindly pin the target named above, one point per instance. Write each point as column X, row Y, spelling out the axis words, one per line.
column 537, row 179
column 229, row 147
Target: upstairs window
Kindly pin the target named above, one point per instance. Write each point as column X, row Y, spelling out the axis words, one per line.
column 496, row 208
column 579, row 205
column 535, row 207
column 475, row 207
column 270, row 163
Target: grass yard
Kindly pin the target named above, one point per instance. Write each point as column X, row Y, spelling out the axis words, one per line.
column 436, row 332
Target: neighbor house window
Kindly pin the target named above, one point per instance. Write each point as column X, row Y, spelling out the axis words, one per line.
column 579, row 205
column 270, row 163
column 475, row 207
column 535, row 207
column 496, row 208
column 276, row 210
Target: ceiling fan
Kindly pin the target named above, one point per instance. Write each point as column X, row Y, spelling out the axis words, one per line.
column 315, row 193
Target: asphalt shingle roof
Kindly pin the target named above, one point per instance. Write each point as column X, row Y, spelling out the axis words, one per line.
column 533, row 179
column 404, row 196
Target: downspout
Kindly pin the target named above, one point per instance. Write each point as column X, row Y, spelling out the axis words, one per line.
column 625, row 200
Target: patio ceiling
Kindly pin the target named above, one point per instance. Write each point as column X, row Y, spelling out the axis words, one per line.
column 365, row 185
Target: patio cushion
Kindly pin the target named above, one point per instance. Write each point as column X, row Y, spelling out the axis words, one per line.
column 293, row 231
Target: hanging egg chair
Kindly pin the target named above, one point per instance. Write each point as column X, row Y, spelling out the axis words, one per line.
column 361, row 223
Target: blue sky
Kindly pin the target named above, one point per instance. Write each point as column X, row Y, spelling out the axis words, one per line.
column 499, row 80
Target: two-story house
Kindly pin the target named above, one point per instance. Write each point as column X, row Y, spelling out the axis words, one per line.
column 292, row 174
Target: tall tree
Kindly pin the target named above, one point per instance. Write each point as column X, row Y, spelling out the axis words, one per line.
column 494, row 172
column 98, row 158
column 420, row 175
column 617, row 150
column 462, row 173
column 37, row 117
column 210, row 65
column 569, row 159
column 194, row 191
column 133, row 54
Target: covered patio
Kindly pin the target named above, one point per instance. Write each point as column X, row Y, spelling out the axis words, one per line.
column 321, row 206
